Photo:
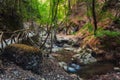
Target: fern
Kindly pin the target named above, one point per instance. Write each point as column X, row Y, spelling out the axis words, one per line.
column 102, row 33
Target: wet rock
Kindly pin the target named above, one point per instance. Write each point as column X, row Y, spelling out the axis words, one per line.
column 25, row 56
column 76, row 66
column 84, row 56
column 70, row 68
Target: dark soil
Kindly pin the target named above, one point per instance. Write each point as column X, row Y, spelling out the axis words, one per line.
column 48, row 70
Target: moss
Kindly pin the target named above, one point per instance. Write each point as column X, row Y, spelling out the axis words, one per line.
column 24, row 47
column 28, row 57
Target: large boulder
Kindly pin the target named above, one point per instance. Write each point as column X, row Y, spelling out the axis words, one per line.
column 27, row 57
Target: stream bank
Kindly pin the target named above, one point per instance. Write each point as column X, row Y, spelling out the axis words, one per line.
column 51, row 68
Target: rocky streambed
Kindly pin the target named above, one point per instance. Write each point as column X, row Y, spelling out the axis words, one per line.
column 68, row 61
column 23, row 62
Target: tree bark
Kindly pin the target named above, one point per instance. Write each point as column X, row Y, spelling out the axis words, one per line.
column 94, row 16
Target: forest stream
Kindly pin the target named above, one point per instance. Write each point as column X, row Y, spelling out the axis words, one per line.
column 76, row 61
column 59, row 39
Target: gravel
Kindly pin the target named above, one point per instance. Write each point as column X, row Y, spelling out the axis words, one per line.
column 14, row 72
column 48, row 70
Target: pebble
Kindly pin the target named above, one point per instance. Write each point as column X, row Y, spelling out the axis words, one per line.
column 71, row 70
column 76, row 66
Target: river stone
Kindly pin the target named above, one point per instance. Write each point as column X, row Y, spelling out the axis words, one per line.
column 84, row 56
column 27, row 57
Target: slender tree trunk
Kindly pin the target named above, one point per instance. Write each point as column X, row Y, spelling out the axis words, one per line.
column 69, row 7
column 94, row 16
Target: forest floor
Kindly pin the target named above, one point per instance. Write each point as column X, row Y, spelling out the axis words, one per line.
column 66, row 50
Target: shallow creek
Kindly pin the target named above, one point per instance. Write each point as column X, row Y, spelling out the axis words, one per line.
column 88, row 65
column 77, row 60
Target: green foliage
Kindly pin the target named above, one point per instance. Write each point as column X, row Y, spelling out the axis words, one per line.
column 44, row 11
column 49, row 10
column 102, row 33
column 101, row 14
column 89, row 27
column 30, row 9
column 89, row 7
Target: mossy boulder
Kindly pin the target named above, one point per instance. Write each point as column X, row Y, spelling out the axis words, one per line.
column 28, row 57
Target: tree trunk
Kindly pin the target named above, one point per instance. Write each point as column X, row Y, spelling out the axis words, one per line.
column 94, row 16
